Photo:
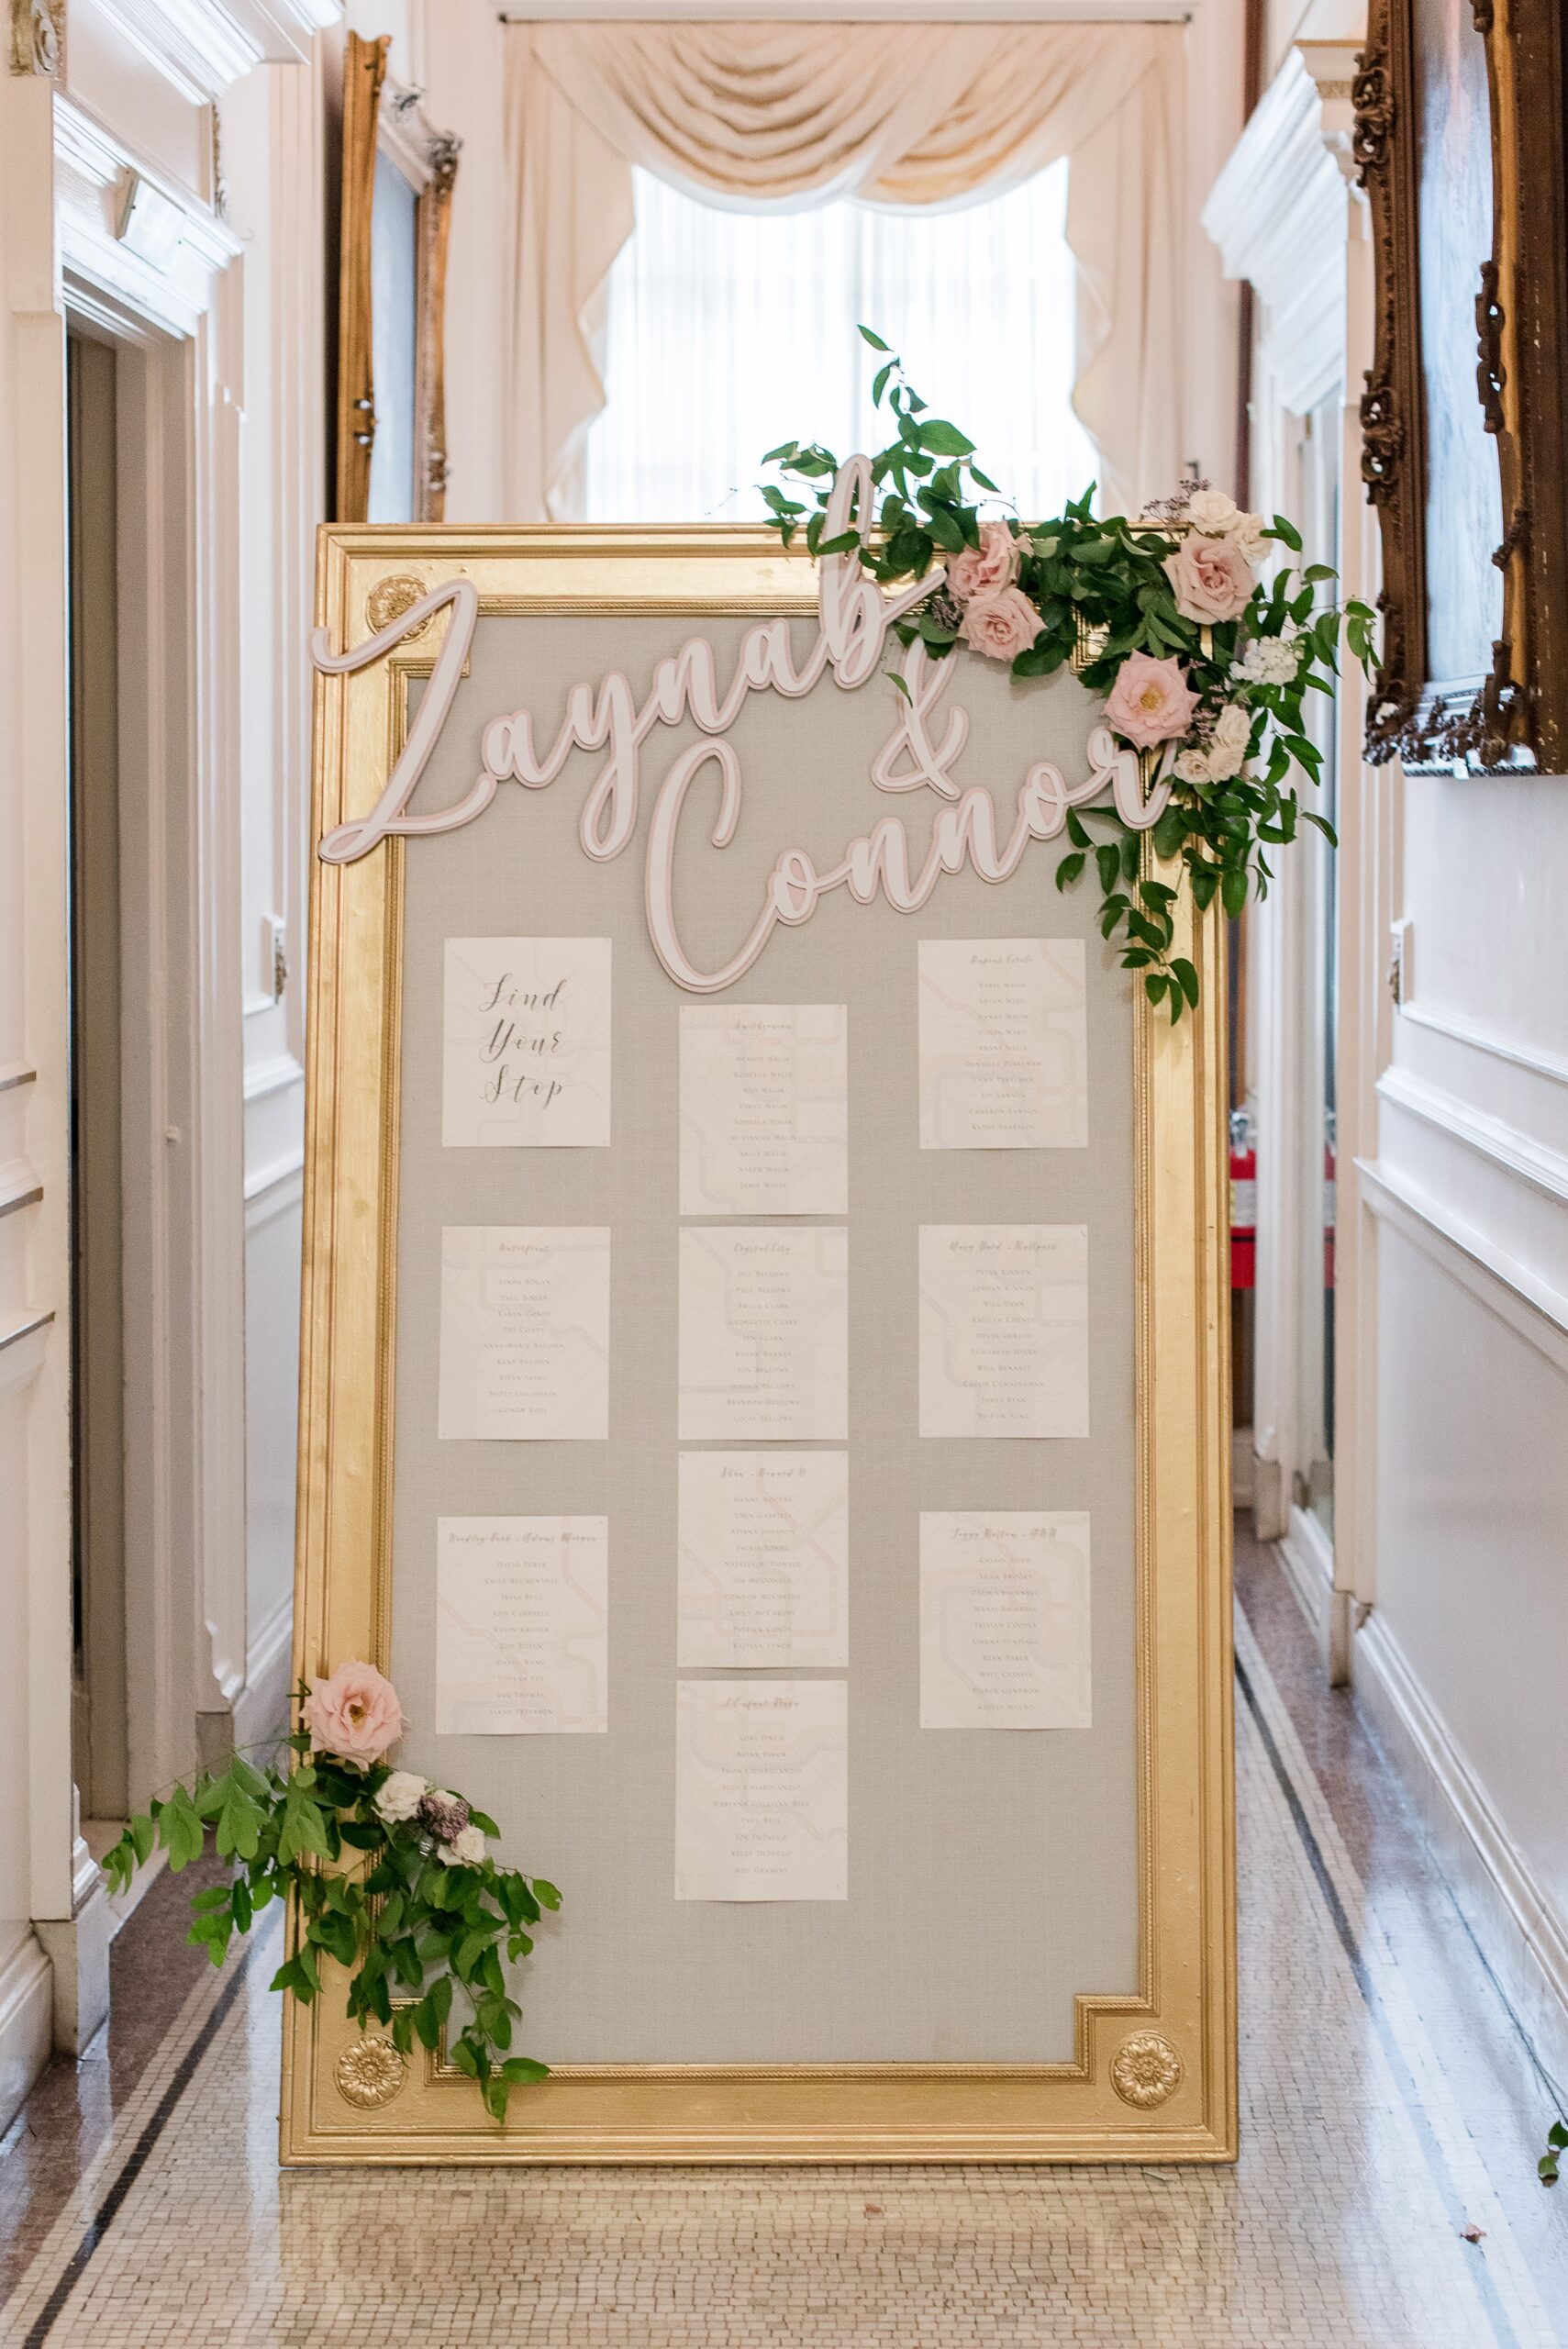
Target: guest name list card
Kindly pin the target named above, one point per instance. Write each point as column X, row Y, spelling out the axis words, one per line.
column 763, row 1335
column 520, row 1625
column 524, row 1331
column 1004, row 1045
column 527, row 1043
column 1004, row 1619
column 764, row 1109
column 1003, row 1330
column 764, row 1554
column 761, row 1790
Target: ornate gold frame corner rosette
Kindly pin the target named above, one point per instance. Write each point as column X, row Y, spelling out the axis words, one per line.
column 1152, row 2075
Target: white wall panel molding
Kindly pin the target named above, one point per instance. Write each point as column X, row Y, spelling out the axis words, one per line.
column 273, row 1189
column 274, row 1074
column 1524, row 1940
column 20, row 1185
column 22, row 1342
column 261, row 1710
column 95, row 170
column 1535, row 1310
column 1277, row 213
column 26, row 2020
column 1505, row 1146
column 1439, row 1022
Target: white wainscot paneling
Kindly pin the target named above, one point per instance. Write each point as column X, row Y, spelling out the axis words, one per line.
column 26, row 1986
column 273, row 1216
column 1487, row 894
column 1464, row 1661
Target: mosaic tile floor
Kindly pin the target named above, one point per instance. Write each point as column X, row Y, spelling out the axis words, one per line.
column 1388, row 2107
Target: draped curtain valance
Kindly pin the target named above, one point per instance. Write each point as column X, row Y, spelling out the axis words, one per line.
column 752, row 116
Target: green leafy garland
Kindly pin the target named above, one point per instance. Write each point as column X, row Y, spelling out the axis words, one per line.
column 1101, row 591
column 413, row 1920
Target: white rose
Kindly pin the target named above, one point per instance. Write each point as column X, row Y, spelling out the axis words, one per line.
column 468, row 1848
column 400, row 1798
column 1227, row 744
column 1210, row 511
column 1192, row 766
column 1232, row 728
column 1246, row 532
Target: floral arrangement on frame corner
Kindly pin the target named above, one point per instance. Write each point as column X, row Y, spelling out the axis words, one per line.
column 393, row 1877
column 1204, row 667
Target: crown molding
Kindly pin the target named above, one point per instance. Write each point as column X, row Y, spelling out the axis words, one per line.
column 196, row 46
column 95, row 173
column 201, row 47
column 1278, row 211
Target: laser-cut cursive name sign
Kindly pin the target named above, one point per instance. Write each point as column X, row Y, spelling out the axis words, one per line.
column 853, row 621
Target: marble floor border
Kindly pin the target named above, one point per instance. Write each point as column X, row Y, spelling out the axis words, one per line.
column 1506, row 2243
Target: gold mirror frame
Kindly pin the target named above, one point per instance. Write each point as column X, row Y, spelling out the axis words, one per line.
column 1516, row 718
column 1153, row 2074
column 380, row 116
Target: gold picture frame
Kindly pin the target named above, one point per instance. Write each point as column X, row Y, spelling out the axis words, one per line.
column 1461, row 146
column 1153, row 2074
column 384, row 127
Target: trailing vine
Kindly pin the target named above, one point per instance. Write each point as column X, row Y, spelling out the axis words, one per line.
column 393, row 1877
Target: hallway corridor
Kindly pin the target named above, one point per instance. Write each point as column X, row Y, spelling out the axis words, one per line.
column 140, row 2203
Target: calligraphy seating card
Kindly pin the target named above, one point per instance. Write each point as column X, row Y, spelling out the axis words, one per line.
column 1004, row 1051
column 761, row 1790
column 527, row 1059
column 1005, row 1619
column 525, row 1332
column 764, row 1554
column 1005, row 1329
column 764, row 1109
column 521, row 1615
column 764, row 1335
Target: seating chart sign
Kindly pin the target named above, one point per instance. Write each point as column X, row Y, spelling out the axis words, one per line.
column 764, row 1392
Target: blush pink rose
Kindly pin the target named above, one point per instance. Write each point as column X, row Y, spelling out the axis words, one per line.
column 354, row 1714
column 1212, row 578
column 1150, row 701
column 1000, row 626
column 986, row 568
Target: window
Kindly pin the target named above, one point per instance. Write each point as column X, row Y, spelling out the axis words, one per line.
column 729, row 332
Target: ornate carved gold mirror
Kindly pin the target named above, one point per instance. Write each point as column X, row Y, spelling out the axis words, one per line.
column 398, row 180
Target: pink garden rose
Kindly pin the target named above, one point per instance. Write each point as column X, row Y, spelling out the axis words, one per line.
column 1150, row 701
column 1000, row 626
column 986, row 568
column 355, row 1714
column 1212, row 578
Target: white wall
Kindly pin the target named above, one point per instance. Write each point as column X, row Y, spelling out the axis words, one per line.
column 36, row 1840
column 1450, row 1529
column 223, row 432
column 1466, row 1654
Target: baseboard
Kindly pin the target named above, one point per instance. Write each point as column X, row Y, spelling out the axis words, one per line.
column 1306, row 1555
column 1519, row 1933
column 1241, row 1458
column 260, row 1710
column 27, row 2023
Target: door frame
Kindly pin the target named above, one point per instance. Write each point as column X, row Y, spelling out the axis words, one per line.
column 175, row 324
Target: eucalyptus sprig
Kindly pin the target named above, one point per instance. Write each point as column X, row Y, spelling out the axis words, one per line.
column 1101, row 591
column 417, row 1929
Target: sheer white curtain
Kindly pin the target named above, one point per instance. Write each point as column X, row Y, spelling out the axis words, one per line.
column 732, row 332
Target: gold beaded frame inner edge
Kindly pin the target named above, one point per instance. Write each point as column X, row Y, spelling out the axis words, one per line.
column 1154, row 2075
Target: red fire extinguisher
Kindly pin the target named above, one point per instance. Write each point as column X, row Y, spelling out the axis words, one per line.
column 1330, row 1202
column 1244, row 1203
